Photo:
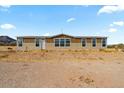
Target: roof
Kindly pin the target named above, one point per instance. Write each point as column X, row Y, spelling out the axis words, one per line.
column 61, row 34
column 31, row 36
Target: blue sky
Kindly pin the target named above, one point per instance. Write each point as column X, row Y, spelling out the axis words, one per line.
column 73, row 20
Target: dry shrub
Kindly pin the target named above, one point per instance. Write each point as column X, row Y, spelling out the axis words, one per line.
column 88, row 80
column 43, row 54
column 76, row 50
column 46, row 51
column 69, row 50
column 62, row 53
column 101, row 58
column 25, row 65
column 108, row 50
column 122, row 50
column 81, row 78
column 9, row 48
column 4, row 56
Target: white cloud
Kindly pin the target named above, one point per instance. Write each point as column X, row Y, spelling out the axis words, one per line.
column 112, row 30
column 7, row 26
column 70, row 19
column 111, row 25
column 111, row 9
column 117, row 23
column 4, row 8
column 46, row 34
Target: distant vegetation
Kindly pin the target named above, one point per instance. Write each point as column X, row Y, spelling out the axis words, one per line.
column 116, row 46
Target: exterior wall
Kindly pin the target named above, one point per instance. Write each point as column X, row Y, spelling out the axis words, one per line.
column 76, row 43
column 29, row 40
column 88, row 43
column 28, row 46
column 75, row 40
column 72, row 46
column 49, row 40
column 99, row 43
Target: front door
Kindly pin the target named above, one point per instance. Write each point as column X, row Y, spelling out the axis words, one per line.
column 42, row 44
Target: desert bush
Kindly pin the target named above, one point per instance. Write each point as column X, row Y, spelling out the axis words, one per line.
column 10, row 49
column 46, row 51
column 101, row 58
column 88, row 80
column 117, row 46
column 76, row 50
column 62, row 53
column 108, row 50
column 4, row 56
column 122, row 50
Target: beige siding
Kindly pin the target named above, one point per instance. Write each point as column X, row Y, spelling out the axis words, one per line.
column 72, row 46
column 49, row 40
column 29, row 40
column 29, row 43
column 88, row 42
column 99, row 43
column 75, row 40
column 77, row 45
column 28, row 46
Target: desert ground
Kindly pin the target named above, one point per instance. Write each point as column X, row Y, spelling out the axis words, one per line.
column 61, row 68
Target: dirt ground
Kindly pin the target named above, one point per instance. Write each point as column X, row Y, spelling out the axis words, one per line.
column 62, row 69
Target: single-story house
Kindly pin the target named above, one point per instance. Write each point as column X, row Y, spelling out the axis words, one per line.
column 61, row 41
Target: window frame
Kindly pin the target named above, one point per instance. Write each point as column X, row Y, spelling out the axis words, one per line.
column 57, row 43
column 36, row 42
column 64, row 42
column 95, row 42
column 68, row 43
column 84, row 41
column 105, row 42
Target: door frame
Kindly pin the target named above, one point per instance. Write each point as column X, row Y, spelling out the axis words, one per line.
column 42, row 43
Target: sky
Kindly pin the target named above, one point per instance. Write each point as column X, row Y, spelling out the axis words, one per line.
column 75, row 20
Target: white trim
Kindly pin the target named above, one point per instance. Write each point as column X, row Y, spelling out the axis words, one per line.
column 18, row 41
column 43, row 45
column 64, row 43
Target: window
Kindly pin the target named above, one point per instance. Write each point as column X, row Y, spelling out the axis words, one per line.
column 62, row 42
column 37, row 42
column 20, row 40
column 56, row 42
column 83, row 42
column 67, row 42
column 104, row 42
column 94, row 42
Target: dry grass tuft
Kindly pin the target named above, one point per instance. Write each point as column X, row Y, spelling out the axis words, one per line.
column 4, row 56
column 122, row 50
column 88, row 80
column 101, row 58
column 108, row 50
